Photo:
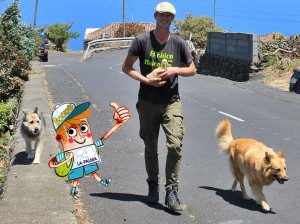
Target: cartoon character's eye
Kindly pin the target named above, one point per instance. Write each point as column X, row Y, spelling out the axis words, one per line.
column 72, row 132
column 84, row 128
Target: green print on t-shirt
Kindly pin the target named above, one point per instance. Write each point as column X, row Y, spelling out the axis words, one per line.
column 159, row 55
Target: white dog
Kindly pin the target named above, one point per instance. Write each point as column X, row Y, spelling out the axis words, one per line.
column 32, row 127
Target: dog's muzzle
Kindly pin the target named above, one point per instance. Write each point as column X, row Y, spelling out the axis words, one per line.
column 36, row 131
column 281, row 180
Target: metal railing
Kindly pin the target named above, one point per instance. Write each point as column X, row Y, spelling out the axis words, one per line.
column 96, row 45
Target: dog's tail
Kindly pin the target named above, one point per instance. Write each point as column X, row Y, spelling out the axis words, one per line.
column 224, row 136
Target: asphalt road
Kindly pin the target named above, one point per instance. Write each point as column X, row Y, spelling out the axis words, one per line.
column 256, row 111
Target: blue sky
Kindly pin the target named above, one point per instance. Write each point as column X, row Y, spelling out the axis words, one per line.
column 255, row 16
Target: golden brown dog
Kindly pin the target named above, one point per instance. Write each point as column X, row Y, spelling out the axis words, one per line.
column 250, row 158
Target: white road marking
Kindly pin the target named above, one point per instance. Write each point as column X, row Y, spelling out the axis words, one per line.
column 49, row 65
column 228, row 115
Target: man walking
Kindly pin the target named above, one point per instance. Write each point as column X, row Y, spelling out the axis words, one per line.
column 159, row 101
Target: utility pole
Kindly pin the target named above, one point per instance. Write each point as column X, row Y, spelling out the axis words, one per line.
column 124, row 18
column 215, row 12
column 35, row 13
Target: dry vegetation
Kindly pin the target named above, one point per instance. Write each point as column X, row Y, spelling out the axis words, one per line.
column 279, row 56
column 277, row 78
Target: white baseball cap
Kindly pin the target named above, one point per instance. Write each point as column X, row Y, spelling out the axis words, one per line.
column 165, row 7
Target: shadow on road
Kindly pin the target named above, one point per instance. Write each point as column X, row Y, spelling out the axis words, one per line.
column 133, row 197
column 236, row 198
column 21, row 159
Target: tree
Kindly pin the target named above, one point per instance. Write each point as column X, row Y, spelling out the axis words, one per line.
column 20, row 34
column 16, row 51
column 28, row 42
column 131, row 30
column 197, row 26
column 9, row 23
column 59, row 35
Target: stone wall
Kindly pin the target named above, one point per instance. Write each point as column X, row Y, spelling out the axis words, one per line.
column 233, row 69
column 241, row 46
column 229, row 55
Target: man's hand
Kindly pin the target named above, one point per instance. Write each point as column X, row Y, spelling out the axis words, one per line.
column 162, row 74
column 156, row 81
column 156, row 72
column 167, row 73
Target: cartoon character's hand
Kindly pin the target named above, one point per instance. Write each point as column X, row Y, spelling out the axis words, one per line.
column 60, row 159
column 121, row 114
column 60, row 156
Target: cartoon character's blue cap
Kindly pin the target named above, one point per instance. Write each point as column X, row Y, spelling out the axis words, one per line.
column 66, row 111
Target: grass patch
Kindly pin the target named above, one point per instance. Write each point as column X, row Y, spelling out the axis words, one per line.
column 34, row 72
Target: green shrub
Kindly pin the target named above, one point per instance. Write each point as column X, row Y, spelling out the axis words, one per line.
column 271, row 60
column 4, row 158
column 14, row 70
column 8, row 117
column 289, row 64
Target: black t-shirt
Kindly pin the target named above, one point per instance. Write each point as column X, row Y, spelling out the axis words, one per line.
column 150, row 54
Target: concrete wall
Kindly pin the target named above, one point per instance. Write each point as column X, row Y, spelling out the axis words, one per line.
column 240, row 46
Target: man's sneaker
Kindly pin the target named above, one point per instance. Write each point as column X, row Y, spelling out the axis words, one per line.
column 172, row 200
column 105, row 182
column 153, row 195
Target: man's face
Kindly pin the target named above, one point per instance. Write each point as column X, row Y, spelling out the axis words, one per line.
column 78, row 135
column 164, row 19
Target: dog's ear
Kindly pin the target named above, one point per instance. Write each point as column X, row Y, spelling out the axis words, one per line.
column 267, row 158
column 281, row 154
column 35, row 110
column 41, row 115
column 24, row 115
